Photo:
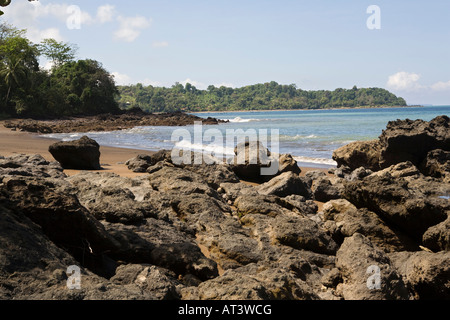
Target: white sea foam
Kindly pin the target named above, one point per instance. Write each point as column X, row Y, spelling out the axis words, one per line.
column 207, row 148
column 322, row 161
column 240, row 120
column 297, row 137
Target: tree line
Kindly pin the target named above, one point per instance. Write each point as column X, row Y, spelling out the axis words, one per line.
column 264, row 96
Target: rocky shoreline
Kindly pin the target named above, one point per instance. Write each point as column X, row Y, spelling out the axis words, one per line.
column 107, row 122
column 198, row 232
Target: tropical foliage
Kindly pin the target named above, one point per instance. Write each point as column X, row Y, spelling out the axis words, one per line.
column 266, row 96
column 68, row 88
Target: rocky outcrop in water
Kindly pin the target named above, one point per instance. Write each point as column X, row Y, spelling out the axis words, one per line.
column 401, row 141
column 108, row 122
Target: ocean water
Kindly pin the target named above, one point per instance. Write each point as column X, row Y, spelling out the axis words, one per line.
column 310, row 136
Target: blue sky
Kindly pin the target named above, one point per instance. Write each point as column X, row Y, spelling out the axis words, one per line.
column 320, row 44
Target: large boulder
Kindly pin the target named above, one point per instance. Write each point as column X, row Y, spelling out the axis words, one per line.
column 426, row 273
column 142, row 162
column 82, row 154
column 62, row 218
column 252, row 158
column 398, row 201
column 344, row 220
column 408, row 140
column 367, row 273
column 359, row 154
column 252, row 282
column 158, row 243
column 401, row 141
column 286, row 184
column 302, row 233
column 34, row 268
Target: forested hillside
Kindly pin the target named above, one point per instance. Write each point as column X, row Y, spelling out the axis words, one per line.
column 267, row 96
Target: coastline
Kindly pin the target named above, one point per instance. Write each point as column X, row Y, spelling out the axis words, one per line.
column 271, row 110
column 112, row 159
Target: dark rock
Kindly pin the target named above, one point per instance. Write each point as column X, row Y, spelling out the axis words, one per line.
column 110, row 122
column 158, row 243
column 179, row 180
column 214, row 174
column 350, row 220
column 408, row 140
column 302, row 233
column 437, row 164
column 401, row 141
column 252, row 282
column 428, row 274
column 62, row 218
column 258, row 204
column 437, row 238
column 33, row 165
column 323, row 190
column 287, row 183
column 359, row 263
column 83, row 154
column 142, row 162
column 288, row 164
column 399, row 204
column 230, row 245
column 33, row 268
column 359, row 154
column 152, row 280
column 359, row 174
column 252, row 158
column 306, row 207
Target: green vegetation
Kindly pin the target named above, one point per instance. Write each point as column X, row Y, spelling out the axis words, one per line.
column 267, row 96
column 69, row 88
column 84, row 87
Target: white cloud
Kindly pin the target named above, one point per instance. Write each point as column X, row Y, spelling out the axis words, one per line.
column 441, row 86
column 130, row 27
column 36, row 35
column 106, row 13
column 121, row 78
column 27, row 15
column 404, row 81
column 161, row 44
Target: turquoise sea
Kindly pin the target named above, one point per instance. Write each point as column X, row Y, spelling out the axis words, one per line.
column 310, row 136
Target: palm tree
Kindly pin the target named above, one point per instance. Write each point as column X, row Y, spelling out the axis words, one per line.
column 12, row 72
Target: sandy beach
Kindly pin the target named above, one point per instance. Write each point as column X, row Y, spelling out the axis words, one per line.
column 112, row 159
